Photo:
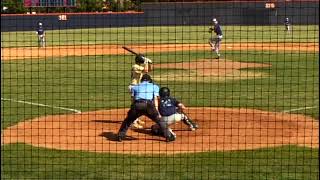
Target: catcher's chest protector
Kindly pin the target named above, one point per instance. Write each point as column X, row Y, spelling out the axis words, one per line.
column 167, row 106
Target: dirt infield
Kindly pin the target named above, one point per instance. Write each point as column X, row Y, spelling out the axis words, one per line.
column 84, row 50
column 221, row 129
column 209, row 70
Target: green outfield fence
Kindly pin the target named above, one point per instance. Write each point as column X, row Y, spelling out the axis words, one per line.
column 252, row 91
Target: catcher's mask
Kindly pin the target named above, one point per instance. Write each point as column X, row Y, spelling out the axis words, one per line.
column 139, row 59
column 164, row 92
column 146, row 77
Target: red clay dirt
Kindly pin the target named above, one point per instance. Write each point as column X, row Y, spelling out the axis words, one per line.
column 207, row 67
column 83, row 50
column 221, row 129
column 209, row 70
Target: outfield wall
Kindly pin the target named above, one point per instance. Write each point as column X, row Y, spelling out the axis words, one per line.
column 155, row 14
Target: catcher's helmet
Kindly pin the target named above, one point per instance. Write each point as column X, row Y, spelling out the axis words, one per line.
column 146, row 77
column 164, row 92
column 139, row 59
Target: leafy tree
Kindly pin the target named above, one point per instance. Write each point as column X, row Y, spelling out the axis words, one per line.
column 124, row 5
column 13, row 6
column 17, row 6
column 90, row 5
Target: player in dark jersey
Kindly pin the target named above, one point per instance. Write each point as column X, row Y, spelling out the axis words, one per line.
column 287, row 25
column 171, row 112
column 216, row 41
column 41, row 35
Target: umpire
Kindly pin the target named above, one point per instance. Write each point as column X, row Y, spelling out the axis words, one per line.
column 144, row 102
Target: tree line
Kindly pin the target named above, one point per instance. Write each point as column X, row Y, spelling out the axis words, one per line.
column 17, row 6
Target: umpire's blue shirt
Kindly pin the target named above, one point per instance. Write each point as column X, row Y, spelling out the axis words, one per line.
column 145, row 91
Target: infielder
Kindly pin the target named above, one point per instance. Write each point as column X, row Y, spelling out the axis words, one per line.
column 215, row 41
column 41, row 35
column 171, row 112
column 144, row 102
column 142, row 66
column 287, row 25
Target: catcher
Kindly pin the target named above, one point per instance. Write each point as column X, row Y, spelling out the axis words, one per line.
column 215, row 41
column 171, row 112
column 142, row 66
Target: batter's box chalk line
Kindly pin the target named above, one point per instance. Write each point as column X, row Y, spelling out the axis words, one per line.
column 41, row 105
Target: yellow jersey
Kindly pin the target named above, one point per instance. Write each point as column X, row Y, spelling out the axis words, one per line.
column 137, row 72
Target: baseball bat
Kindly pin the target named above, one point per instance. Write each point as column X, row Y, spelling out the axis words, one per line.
column 137, row 54
column 130, row 50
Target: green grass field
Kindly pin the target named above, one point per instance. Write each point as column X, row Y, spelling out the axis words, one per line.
column 100, row 82
column 162, row 34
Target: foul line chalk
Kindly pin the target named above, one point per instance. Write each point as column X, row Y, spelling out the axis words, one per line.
column 42, row 105
column 299, row 109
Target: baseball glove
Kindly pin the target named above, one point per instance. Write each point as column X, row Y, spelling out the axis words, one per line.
column 210, row 29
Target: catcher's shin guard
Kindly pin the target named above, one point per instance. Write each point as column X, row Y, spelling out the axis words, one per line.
column 171, row 137
column 156, row 130
column 192, row 125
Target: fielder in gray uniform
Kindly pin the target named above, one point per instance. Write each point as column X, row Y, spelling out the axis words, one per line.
column 171, row 112
column 216, row 41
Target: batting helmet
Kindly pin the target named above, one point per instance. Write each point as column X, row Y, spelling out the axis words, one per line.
column 139, row 59
column 164, row 92
column 146, row 77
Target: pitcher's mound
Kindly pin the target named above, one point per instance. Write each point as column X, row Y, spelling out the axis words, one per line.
column 220, row 129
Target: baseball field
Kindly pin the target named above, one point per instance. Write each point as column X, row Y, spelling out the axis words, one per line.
column 257, row 106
